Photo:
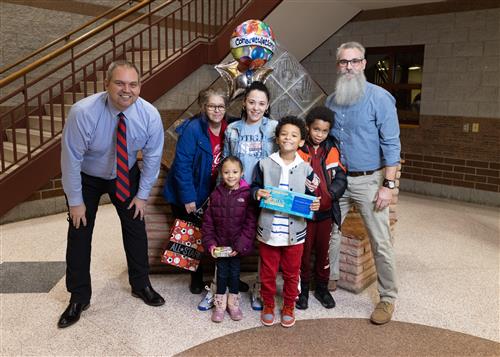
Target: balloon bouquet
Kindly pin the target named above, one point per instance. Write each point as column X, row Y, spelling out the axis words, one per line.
column 252, row 46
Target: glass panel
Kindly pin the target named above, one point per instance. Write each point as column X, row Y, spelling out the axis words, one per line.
column 403, row 98
column 378, row 68
column 408, row 67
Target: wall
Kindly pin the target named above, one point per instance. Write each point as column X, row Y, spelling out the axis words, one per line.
column 19, row 40
column 460, row 86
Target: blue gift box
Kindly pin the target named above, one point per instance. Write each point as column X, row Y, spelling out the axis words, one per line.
column 297, row 204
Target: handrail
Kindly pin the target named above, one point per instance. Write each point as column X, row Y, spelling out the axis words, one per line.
column 177, row 37
column 64, row 37
column 71, row 44
column 35, row 110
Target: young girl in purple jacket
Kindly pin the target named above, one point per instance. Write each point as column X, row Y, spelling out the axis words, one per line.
column 229, row 221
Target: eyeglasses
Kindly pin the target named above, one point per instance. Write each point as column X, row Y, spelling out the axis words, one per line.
column 353, row 62
column 213, row 108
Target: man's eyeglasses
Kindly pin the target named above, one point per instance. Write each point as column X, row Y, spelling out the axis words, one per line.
column 353, row 62
column 213, row 108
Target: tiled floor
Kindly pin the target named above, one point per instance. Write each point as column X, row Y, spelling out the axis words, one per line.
column 448, row 266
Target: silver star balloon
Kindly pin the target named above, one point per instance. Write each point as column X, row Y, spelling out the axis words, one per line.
column 237, row 81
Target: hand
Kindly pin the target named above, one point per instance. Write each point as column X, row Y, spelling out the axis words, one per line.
column 233, row 253
column 212, row 249
column 315, row 205
column 190, row 207
column 261, row 193
column 77, row 213
column 383, row 198
column 140, row 207
column 313, row 184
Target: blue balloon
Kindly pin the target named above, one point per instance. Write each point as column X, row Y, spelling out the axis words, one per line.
column 258, row 53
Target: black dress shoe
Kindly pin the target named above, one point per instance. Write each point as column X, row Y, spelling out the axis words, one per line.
column 149, row 296
column 196, row 286
column 72, row 314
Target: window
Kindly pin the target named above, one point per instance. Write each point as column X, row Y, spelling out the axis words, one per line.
column 399, row 70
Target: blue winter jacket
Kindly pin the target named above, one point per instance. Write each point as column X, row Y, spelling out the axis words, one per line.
column 188, row 179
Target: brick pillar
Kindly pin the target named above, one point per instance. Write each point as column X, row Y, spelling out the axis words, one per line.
column 357, row 268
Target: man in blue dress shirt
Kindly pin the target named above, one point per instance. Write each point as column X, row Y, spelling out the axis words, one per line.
column 367, row 129
column 89, row 170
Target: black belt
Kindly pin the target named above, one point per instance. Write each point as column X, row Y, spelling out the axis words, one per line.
column 361, row 173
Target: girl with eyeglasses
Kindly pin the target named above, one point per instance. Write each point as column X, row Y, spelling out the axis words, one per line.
column 198, row 153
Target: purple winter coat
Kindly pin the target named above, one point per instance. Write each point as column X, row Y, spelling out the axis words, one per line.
column 230, row 219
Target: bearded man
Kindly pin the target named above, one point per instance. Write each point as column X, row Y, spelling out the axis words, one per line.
column 367, row 130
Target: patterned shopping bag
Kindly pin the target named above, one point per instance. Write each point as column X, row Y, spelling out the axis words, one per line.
column 184, row 248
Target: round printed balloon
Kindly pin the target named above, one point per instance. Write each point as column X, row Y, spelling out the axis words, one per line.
column 252, row 44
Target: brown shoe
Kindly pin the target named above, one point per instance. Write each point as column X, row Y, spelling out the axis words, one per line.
column 332, row 285
column 382, row 313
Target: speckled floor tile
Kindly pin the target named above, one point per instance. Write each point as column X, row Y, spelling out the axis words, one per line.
column 447, row 259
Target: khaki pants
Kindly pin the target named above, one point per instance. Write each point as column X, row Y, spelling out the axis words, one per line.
column 361, row 191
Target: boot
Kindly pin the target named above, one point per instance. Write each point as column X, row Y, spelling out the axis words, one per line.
column 233, row 307
column 323, row 295
column 302, row 302
column 220, row 302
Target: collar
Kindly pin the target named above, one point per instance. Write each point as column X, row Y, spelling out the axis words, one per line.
column 277, row 158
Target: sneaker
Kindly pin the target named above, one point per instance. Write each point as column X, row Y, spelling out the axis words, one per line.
column 267, row 316
column 208, row 300
column 287, row 316
column 382, row 313
column 255, row 299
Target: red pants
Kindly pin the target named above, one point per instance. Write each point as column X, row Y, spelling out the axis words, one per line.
column 271, row 258
column 318, row 237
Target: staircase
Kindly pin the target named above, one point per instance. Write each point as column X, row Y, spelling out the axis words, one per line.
column 166, row 39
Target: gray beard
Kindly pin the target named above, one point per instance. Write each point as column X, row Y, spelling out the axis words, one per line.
column 349, row 91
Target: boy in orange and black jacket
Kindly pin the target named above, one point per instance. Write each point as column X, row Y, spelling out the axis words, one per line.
column 322, row 154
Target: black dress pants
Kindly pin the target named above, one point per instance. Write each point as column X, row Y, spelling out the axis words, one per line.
column 135, row 242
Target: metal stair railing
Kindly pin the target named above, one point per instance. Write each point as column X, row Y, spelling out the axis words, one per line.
column 66, row 37
column 154, row 33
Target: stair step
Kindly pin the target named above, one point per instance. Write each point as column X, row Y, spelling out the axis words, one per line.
column 90, row 87
column 68, row 97
column 57, row 109
column 100, row 75
column 35, row 123
column 8, row 151
column 22, row 138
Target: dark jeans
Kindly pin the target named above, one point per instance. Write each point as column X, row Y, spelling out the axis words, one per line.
column 135, row 241
column 228, row 274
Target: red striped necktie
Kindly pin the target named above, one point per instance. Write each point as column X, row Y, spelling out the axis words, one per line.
column 122, row 181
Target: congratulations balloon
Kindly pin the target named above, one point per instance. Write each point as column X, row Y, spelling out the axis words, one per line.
column 252, row 44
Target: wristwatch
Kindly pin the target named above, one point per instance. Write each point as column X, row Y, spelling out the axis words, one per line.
column 389, row 184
